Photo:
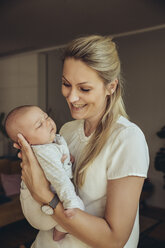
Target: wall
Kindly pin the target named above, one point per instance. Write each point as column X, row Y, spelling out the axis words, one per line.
column 18, row 85
column 142, row 57
column 56, row 104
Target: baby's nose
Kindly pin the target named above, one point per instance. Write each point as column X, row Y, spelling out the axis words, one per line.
column 48, row 121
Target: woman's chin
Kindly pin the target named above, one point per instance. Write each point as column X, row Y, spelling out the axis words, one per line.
column 77, row 116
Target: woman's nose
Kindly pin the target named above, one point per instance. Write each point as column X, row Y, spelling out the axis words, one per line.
column 73, row 96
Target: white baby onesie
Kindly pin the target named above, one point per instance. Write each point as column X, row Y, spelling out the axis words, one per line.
column 58, row 173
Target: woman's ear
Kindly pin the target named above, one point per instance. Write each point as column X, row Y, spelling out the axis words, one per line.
column 111, row 87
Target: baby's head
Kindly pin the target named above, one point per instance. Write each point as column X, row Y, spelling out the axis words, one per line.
column 34, row 124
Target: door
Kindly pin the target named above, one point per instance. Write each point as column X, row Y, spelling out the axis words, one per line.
column 56, row 104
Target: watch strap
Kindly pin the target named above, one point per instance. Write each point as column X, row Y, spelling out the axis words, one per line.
column 53, row 203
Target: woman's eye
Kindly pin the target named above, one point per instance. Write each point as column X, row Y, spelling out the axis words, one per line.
column 85, row 90
column 65, row 84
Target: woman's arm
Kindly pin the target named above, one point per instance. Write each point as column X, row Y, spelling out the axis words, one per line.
column 114, row 229
column 121, row 207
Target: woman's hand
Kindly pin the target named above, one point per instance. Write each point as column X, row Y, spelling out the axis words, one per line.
column 32, row 174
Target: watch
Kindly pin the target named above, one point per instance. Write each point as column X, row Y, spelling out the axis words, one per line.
column 48, row 209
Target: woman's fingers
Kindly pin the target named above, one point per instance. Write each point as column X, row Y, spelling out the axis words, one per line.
column 19, row 155
column 27, row 153
column 32, row 174
column 23, row 143
column 15, row 145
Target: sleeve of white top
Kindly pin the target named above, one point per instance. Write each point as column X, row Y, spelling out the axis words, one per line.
column 128, row 154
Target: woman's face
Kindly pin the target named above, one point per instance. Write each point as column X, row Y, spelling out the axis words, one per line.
column 84, row 90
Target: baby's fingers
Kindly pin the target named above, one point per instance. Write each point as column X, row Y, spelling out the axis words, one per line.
column 63, row 158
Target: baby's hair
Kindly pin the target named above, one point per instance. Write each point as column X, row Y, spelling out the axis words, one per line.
column 12, row 114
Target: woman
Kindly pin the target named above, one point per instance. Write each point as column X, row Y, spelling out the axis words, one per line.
column 111, row 154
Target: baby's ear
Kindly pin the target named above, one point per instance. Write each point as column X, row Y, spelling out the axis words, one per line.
column 111, row 87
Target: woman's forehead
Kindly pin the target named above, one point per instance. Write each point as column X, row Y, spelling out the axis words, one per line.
column 77, row 72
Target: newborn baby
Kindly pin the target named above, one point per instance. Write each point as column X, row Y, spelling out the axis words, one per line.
column 40, row 132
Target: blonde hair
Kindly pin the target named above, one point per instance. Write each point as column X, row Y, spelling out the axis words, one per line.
column 100, row 54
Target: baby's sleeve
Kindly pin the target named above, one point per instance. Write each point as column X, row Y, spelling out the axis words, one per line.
column 56, row 175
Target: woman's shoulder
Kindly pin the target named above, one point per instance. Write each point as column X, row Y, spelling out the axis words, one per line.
column 124, row 127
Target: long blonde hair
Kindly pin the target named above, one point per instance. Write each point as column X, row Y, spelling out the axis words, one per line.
column 100, row 54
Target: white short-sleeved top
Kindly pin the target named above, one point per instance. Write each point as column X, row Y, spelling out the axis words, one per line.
column 124, row 154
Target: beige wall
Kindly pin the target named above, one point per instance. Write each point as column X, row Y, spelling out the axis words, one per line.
column 18, row 85
column 142, row 57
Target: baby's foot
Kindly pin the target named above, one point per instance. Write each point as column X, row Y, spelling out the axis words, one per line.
column 57, row 235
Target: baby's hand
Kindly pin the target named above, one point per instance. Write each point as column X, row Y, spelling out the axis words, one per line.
column 69, row 213
column 72, row 159
column 64, row 156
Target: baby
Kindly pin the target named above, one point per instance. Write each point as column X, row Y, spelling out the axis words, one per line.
column 40, row 131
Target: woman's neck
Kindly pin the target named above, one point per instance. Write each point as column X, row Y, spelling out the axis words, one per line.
column 88, row 128
column 91, row 125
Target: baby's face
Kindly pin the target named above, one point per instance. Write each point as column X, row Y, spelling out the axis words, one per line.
column 37, row 127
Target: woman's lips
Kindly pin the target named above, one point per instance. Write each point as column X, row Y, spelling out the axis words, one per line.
column 78, row 106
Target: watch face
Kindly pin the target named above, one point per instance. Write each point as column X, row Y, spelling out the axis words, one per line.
column 47, row 209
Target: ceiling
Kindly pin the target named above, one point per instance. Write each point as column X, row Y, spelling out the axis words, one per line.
column 35, row 24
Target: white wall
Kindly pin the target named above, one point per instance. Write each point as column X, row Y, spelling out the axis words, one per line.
column 18, row 85
column 143, row 64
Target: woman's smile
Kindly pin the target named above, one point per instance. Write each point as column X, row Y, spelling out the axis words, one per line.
column 78, row 107
column 84, row 91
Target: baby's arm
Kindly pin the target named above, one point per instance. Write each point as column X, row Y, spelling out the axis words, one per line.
column 49, row 158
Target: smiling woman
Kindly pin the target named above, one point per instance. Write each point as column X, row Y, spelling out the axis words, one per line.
column 81, row 87
column 104, row 143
